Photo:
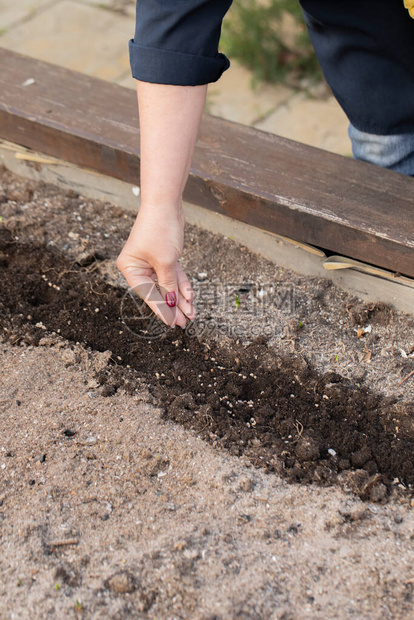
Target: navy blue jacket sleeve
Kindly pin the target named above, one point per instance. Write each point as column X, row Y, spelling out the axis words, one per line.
column 176, row 41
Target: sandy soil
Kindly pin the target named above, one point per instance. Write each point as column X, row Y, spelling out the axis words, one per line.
column 109, row 509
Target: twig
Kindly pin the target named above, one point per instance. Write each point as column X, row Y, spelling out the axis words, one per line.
column 299, row 429
column 410, row 374
column 35, row 158
column 15, row 339
column 63, row 543
column 96, row 292
column 209, row 421
column 92, row 267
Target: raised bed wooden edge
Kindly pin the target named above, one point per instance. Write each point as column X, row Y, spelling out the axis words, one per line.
column 329, row 201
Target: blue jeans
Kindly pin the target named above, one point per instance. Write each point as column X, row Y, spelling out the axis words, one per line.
column 395, row 152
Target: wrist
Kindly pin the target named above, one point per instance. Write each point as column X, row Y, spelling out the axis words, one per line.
column 161, row 205
column 162, row 211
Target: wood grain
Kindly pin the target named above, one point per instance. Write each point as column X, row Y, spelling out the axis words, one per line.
column 332, row 202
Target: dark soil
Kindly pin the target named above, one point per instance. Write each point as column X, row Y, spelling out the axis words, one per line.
column 276, row 411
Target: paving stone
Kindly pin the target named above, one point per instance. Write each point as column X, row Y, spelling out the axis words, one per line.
column 127, row 7
column 320, row 123
column 127, row 80
column 13, row 12
column 233, row 97
column 76, row 36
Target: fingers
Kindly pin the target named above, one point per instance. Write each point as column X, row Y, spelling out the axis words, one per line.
column 167, row 282
column 184, row 285
column 186, row 308
column 168, row 299
column 186, row 294
column 176, row 289
column 145, row 287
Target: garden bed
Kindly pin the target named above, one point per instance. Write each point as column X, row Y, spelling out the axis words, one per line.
column 298, row 397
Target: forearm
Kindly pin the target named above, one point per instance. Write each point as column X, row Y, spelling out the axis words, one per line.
column 169, row 122
column 174, row 55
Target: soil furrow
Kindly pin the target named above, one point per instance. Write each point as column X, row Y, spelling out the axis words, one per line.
column 278, row 412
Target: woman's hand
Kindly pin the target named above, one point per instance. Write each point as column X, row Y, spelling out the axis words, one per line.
column 150, row 255
column 169, row 118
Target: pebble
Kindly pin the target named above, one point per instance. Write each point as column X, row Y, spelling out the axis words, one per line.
column 378, row 492
column 87, row 258
column 121, row 583
column 344, row 464
column 307, row 449
column 360, row 457
column 354, row 513
column 294, row 528
column 246, row 484
column 244, row 518
column 205, row 531
column 108, row 390
column 191, row 554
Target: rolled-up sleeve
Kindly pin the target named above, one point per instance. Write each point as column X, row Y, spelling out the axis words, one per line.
column 176, row 41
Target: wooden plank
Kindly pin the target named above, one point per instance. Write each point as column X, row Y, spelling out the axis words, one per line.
column 285, row 187
column 282, row 251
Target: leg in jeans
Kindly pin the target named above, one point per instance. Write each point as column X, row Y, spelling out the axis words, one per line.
column 366, row 52
column 395, row 152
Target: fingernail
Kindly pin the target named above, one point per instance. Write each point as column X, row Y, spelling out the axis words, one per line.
column 171, row 299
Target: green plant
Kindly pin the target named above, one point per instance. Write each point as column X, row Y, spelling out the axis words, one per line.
column 254, row 34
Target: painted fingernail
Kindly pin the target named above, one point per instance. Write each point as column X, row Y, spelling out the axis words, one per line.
column 171, row 299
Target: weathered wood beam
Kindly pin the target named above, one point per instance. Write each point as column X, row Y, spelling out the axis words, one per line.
column 333, row 202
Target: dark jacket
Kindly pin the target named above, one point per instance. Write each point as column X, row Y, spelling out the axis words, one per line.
column 365, row 48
